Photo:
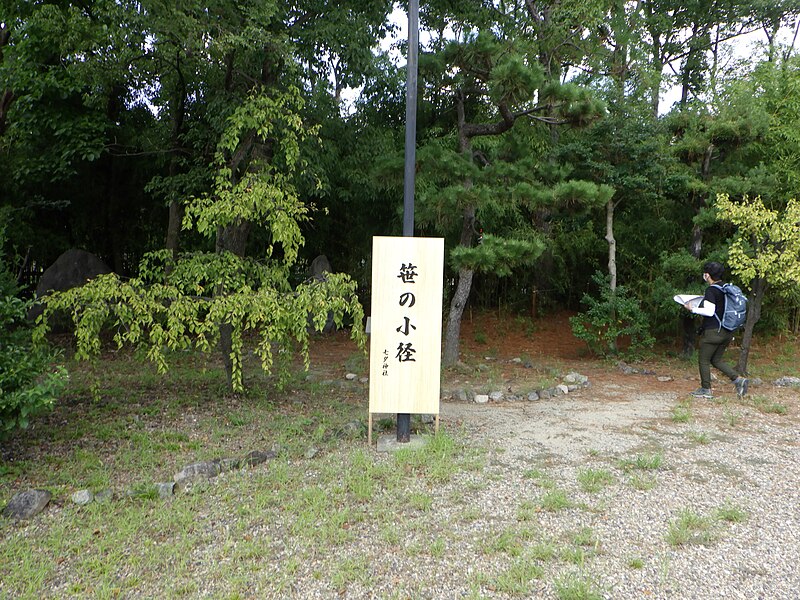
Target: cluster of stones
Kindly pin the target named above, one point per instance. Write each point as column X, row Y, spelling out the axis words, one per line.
column 29, row 503
column 570, row 383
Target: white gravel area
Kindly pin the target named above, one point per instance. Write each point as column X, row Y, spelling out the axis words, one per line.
column 730, row 456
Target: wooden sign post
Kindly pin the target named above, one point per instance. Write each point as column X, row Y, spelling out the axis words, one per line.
column 405, row 326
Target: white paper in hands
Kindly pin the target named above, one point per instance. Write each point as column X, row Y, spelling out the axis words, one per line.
column 692, row 299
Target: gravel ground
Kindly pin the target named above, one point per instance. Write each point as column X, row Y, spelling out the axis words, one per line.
column 730, row 456
column 498, row 532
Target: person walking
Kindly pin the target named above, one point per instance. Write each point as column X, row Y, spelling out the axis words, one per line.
column 714, row 338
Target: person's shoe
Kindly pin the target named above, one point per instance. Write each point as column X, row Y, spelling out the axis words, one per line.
column 741, row 384
column 702, row 393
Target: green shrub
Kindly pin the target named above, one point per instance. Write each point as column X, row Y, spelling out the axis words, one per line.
column 613, row 318
column 28, row 381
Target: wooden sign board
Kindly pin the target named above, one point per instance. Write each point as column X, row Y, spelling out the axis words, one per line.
column 406, row 325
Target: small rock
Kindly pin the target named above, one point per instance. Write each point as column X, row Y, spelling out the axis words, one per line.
column 496, row 396
column 664, row 378
column 562, row 388
column 575, row 378
column 363, row 380
column 787, row 381
column 462, row 396
column 351, row 430
column 104, row 496
column 256, row 457
column 311, row 452
column 200, row 470
column 82, row 497
column 533, row 396
column 28, row 504
column 572, row 387
column 351, row 377
column 516, row 360
column 427, row 419
column 481, row 398
column 165, row 490
column 626, row 369
column 229, row 464
column 544, row 394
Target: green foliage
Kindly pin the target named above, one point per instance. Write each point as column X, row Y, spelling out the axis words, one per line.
column 767, row 242
column 184, row 304
column 497, row 255
column 609, row 319
column 29, row 383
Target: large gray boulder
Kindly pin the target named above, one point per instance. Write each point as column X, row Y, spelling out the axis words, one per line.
column 320, row 267
column 73, row 268
column 27, row 504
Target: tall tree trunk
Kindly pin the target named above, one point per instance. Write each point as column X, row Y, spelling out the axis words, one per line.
column 453, row 331
column 460, row 297
column 612, row 245
column 612, row 261
column 232, row 238
column 459, row 301
column 114, row 237
column 178, row 116
column 758, row 287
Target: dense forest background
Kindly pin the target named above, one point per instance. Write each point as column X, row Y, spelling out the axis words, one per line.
column 549, row 146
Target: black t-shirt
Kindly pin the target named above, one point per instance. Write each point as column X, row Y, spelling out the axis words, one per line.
column 717, row 296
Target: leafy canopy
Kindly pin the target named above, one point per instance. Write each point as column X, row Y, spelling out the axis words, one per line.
column 179, row 305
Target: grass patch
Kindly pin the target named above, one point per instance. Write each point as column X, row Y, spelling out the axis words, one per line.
column 699, row 437
column 642, row 481
column 690, row 528
column 506, row 542
column 642, row 462
column 732, row 418
column 635, row 562
column 527, row 511
column 682, row 413
column 351, row 571
column 555, row 500
column 731, row 513
column 574, row 587
column 541, row 478
column 594, row 480
column 518, row 578
column 765, row 406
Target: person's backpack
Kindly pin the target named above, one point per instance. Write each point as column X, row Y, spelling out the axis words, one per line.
column 735, row 313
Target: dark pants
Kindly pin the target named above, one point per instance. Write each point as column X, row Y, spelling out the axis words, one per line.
column 712, row 346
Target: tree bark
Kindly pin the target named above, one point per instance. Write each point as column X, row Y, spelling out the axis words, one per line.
column 463, row 288
column 459, row 301
column 612, row 260
column 178, row 117
column 758, row 289
column 232, row 238
column 612, row 245
column 453, row 331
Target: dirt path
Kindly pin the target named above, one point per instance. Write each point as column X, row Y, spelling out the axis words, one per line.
column 575, row 425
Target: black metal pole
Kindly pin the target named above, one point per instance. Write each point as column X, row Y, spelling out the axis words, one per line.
column 404, row 419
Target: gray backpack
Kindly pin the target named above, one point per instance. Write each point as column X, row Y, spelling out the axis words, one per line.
column 735, row 312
